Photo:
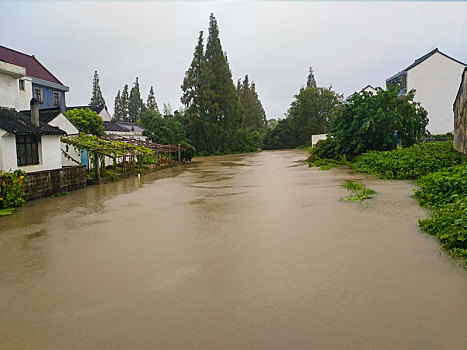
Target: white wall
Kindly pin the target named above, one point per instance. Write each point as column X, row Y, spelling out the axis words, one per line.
column 105, row 115
column 318, row 137
column 436, row 81
column 7, row 151
column 50, row 154
column 63, row 123
column 10, row 94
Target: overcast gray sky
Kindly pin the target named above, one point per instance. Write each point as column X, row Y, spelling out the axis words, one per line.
column 349, row 45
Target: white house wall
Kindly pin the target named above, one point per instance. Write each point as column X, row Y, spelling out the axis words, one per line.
column 25, row 96
column 9, row 91
column 7, row 151
column 436, row 81
column 105, row 115
column 64, row 124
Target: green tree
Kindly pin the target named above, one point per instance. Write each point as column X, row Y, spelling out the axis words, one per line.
column 118, row 108
column 194, row 89
column 135, row 103
column 223, row 108
column 378, row 122
column 310, row 81
column 97, row 100
column 86, row 121
column 255, row 117
column 151, row 103
column 125, row 104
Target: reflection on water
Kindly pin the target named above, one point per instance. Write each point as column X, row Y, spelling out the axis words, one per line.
column 244, row 251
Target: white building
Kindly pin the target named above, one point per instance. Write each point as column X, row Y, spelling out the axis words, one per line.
column 367, row 88
column 436, row 78
column 101, row 111
column 55, row 117
column 15, row 86
column 28, row 145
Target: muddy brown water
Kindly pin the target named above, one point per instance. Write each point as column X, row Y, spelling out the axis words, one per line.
column 234, row 252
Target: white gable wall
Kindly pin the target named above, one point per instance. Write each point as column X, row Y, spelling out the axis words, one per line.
column 64, row 124
column 436, row 81
column 105, row 115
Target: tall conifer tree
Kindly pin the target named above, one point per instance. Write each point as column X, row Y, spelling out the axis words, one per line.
column 97, row 100
column 124, row 103
column 151, row 103
column 194, row 94
column 310, row 81
column 118, row 113
column 135, row 103
column 223, row 107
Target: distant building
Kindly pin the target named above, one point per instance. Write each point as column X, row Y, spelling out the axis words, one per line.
column 460, row 116
column 104, row 114
column 367, row 88
column 123, row 129
column 45, row 87
column 436, row 78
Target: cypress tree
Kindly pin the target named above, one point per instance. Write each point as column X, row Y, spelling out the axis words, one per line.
column 118, row 113
column 223, row 107
column 124, row 104
column 97, row 100
column 255, row 117
column 151, row 102
column 135, row 103
column 194, row 93
column 310, row 81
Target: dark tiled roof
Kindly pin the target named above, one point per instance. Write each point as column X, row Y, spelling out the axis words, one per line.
column 16, row 123
column 33, row 67
column 128, row 127
column 45, row 115
column 95, row 109
column 114, row 126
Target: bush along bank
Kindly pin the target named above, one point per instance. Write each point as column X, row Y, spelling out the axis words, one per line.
column 442, row 179
column 445, row 194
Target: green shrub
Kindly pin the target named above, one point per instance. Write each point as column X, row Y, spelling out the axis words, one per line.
column 442, row 187
column 408, row 163
column 11, row 189
column 449, row 223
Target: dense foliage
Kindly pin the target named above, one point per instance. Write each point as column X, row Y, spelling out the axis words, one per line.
column 378, row 122
column 218, row 119
column 11, row 189
column 445, row 192
column 408, row 163
column 86, row 121
column 167, row 129
column 310, row 113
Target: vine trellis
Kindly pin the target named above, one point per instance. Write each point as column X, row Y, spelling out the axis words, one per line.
column 130, row 151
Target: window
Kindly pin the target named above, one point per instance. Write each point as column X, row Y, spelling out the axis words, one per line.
column 56, row 98
column 21, row 85
column 27, row 150
column 38, row 95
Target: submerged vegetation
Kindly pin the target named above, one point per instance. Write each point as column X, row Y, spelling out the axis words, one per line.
column 358, row 190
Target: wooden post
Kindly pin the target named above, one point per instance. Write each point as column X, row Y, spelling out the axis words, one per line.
column 98, row 166
column 179, row 155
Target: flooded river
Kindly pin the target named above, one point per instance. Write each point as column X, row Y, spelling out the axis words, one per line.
column 234, row 252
